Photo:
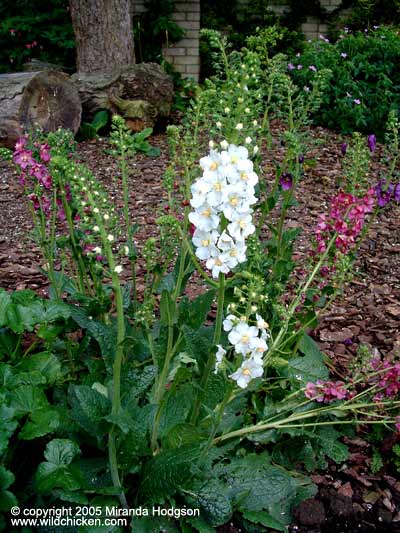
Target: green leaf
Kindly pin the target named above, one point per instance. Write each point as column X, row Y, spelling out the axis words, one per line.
column 193, row 313
column 261, row 517
column 167, row 309
column 197, row 343
column 167, row 471
column 182, row 434
column 100, row 120
column 28, row 399
column 7, row 499
column 8, row 425
column 58, row 472
column 40, row 423
column 89, row 408
column 5, row 300
column 45, row 363
column 61, row 451
column 215, row 506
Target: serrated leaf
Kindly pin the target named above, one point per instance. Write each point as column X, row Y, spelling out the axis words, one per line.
column 40, row 423
column 89, row 408
column 182, row 434
column 58, row 472
column 45, row 363
column 193, row 313
column 8, row 425
column 28, row 399
column 197, row 343
column 168, row 470
column 7, row 499
column 215, row 506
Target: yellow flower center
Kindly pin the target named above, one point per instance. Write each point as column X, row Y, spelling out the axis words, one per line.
column 244, row 176
column 234, row 159
column 246, row 372
column 242, row 224
column 233, row 201
column 245, row 339
column 213, row 166
column 233, row 253
column 218, row 262
column 205, row 242
column 206, row 213
column 217, row 187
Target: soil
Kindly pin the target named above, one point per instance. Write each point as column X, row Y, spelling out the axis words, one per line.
column 368, row 312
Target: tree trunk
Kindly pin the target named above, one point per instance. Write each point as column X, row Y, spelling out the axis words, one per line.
column 29, row 99
column 103, row 35
column 141, row 94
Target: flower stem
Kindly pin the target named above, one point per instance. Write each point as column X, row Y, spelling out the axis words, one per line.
column 211, row 358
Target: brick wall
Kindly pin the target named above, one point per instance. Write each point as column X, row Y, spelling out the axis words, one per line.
column 184, row 54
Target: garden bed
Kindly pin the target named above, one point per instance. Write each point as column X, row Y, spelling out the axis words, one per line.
column 368, row 313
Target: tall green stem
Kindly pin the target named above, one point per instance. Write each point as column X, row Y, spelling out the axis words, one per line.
column 211, row 359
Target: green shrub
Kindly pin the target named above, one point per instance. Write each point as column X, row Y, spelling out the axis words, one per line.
column 365, row 78
column 35, row 30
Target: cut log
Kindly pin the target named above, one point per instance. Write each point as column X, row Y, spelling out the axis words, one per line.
column 140, row 93
column 31, row 99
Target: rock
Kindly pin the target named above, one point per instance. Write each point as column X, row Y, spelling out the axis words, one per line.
column 310, row 512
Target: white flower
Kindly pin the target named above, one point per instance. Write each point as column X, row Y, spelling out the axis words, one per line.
column 236, row 254
column 255, row 150
column 229, row 322
column 247, row 110
column 97, row 250
column 224, row 144
column 227, row 110
column 219, row 357
column 258, row 346
column 261, row 322
column 211, row 162
column 217, row 185
column 211, row 144
column 96, row 228
column 239, row 126
column 199, row 191
column 241, row 335
column 205, row 218
column 241, row 226
column 255, row 123
column 205, row 244
column 106, row 217
column 248, row 140
column 217, row 265
column 118, row 269
column 126, row 250
column 110, row 237
column 249, row 370
column 218, row 124
column 95, row 210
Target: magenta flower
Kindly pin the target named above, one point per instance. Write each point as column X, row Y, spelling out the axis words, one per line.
column 45, row 153
column 396, row 192
column 23, row 158
column 299, row 67
column 21, row 143
column 313, row 68
column 357, row 101
column 286, row 181
column 372, row 142
column 35, row 201
column 343, row 148
column 397, row 424
column 344, row 55
column 291, row 66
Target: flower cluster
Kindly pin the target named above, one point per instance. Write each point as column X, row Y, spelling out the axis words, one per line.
column 388, row 380
column 385, row 191
column 326, row 391
column 346, row 218
column 222, row 198
column 249, row 342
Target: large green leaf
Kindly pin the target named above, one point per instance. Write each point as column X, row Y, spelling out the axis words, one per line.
column 210, row 497
column 89, row 408
column 193, row 313
column 8, row 425
column 57, row 471
column 7, row 499
column 28, row 399
column 45, row 363
column 41, row 422
column 167, row 471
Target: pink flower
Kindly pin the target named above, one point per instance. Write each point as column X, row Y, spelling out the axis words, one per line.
column 35, row 201
column 45, row 153
column 21, row 143
column 397, row 424
column 23, row 158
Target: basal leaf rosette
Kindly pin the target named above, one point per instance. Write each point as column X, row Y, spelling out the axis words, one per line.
column 222, row 214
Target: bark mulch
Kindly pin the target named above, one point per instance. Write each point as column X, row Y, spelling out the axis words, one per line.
column 350, row 498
